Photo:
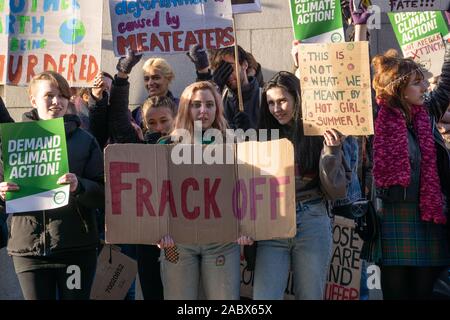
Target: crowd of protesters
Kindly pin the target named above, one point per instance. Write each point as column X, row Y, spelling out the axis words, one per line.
column 411, row 177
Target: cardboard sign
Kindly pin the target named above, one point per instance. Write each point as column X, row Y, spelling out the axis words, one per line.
column 335, row 86
column 150, row 192
column 114, row 276
column 34, row 157
column 246, row 6
column 170, row 26
column 344, row 275
column 419, row 35
column 428, row 52
column 317, row 20
column 63, row 36
column 411, row 5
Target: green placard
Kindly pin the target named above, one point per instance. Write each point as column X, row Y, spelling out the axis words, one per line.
column 34, row 157
column 413, row 26
column 317, row 20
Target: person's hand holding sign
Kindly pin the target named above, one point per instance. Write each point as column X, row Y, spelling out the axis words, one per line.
column 333, row 138
column 6, row 187
column 166, row 242
column 244, row 241
column 69, row 178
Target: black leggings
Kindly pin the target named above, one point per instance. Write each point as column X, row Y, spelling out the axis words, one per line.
column 53, row 283
column 407, row 282
column 150, row 272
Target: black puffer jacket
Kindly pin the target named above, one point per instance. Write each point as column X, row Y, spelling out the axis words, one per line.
column 98, row 119
column 119, row 122
column 4, row 117
column 73, row 227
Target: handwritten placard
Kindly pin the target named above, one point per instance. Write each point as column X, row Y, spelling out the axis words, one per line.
column 411, row 5
column 335, row 86
column 419, row 35
column 38, row 35
column 246, row 6
column 428, row 52
column 163, row 27
column 317, row 20
column 344, row 273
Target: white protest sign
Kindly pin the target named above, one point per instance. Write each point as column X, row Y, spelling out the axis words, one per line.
column 246, row 6
column 63, row 36
column 344, row 274
column 411, row 5
column 157, row 27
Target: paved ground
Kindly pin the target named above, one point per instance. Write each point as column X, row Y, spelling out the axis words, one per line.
column 9, row 285
column 10, row 289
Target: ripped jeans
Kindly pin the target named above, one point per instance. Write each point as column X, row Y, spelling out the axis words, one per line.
column 308, row 255
column 217, row 264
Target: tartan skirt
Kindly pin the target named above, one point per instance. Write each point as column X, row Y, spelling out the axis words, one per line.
column 406, row 240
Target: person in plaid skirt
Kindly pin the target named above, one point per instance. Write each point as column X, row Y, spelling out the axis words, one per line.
column 411, row 174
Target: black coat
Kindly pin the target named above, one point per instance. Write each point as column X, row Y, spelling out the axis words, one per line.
column 4, row 117
column 73, row 227
column 437, row 105
column 4, row 114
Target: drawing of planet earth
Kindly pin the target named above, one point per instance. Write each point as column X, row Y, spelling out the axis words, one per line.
column 72, row 31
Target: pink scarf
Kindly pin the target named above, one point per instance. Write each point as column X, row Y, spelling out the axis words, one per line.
column 391, row 157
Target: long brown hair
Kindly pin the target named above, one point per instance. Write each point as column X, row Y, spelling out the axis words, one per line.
column 184, row 119
column 307, row 148
column 392, row 76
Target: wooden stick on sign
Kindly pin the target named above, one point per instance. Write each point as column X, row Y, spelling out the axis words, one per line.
column 237, row 68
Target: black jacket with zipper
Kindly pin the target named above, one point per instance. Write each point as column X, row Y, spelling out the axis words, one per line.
column 119, row 125
column 4, row 118
column 73, row 227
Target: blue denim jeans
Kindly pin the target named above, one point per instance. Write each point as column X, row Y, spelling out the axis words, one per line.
column 307, row 255
column 217, row 264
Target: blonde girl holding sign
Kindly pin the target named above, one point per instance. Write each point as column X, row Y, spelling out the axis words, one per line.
column 218, row 264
